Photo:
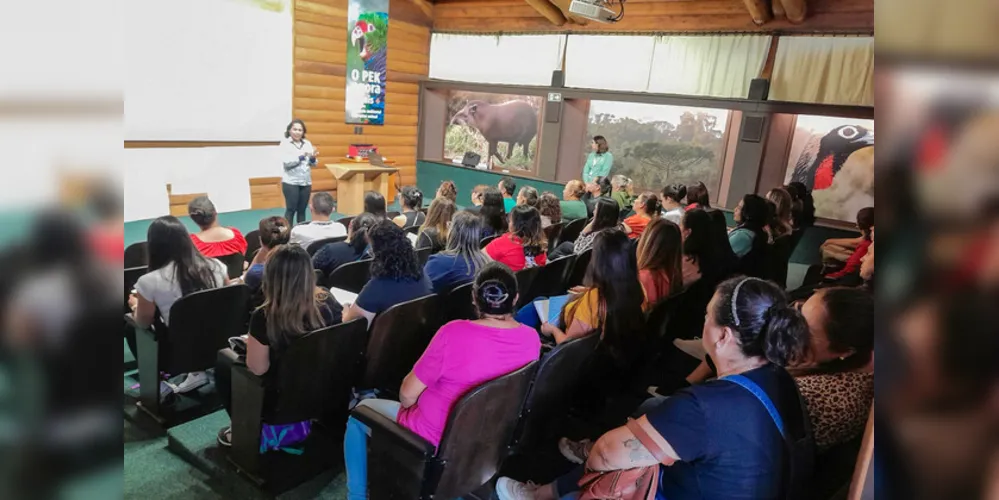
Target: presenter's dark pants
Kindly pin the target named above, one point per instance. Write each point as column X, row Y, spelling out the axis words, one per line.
column 296, row 199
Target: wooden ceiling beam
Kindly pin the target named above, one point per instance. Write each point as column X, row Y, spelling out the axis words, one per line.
column 427, row 8
column 795, row 10
column 759, row 10
column 550, row 12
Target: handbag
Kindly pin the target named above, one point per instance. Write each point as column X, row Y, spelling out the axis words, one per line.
column 639, row 483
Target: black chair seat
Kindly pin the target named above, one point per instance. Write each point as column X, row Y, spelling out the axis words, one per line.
column 552, row 234
column 423, row 255
column 233, row 264
column 551, row 280
column 571, row 230
column 345, row 221
column 399, row 336
column 351, row 276
column 578, row 272
column 458, row 303
column 315, row 246
column 778, row 258
column 137, row 254
column 487, row 240
column 252, row 244
column 525, row 279
column 471, row 451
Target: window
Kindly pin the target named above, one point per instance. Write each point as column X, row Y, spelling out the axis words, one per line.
column 834, row 158
column 502, row 129
column 657, row 145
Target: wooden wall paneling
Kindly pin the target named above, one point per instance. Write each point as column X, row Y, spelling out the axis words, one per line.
column 265, row 192
column 178, row 202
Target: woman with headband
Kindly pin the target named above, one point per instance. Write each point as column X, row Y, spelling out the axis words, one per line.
column 725, row 438
column 462, row 355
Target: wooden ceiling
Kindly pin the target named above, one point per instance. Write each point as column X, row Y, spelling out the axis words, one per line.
column 658, row 16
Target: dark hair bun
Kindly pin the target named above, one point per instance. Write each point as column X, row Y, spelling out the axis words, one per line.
column 783, row 334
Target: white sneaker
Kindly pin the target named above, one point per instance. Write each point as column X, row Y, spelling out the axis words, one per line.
column 193, row 381
column 508, row 489
column 575, row 451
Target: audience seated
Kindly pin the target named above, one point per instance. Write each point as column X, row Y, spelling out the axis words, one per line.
column 781, row 222
column 524, row 245
column 802, row 206
column 293, row 306
column 433, row 233
column 529, row 196
column 551, row 210
column 493, row 213
column 374, row 204
column 749, row 239
column 274, row 231
column 396, row 275
column 646, row 208
column 411, row 201
column 620, row 186
column 213, row 240
column 707, row 254
column 478, row 192
column 508, row 188
column 660, row 262
column 176, row 269
column 698, row 196
column 320, row 227
column 334, row 255
column 594, row 191
column 672, row 201
column 572, row 203
column 718, row 439
column 447, row 190
column 853, row 249
column 462, row 258
column 462, row 355
column 605, row 216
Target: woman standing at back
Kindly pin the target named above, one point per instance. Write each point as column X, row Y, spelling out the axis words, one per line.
column 293, row 306
column 599, row 161
column 660, row 262
column 176, row 269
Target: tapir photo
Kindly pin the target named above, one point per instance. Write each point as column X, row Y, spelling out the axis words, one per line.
column 501, row 128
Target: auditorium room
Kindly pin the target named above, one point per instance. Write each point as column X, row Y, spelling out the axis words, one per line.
column 498, row 249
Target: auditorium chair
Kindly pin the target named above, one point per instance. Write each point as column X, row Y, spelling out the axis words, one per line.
column 413, row 230
column 778, row 258
column 137, row 254
column 132, row 275
column 551, row 280
column 487, row 240
column 313, row 383
column 320, row 278
column 393, row 214
column 233, row 264
column 552, row 234
column 525, row 279
column 351, row 276
column 252, row 244
column 471, row 451
column 458, row 303
column 571, row 230
column 315, row 246
column 200, row 325
column 551, row 391
column 346, row 222
column 423, row 255
column 579, row 268
column 399, row 336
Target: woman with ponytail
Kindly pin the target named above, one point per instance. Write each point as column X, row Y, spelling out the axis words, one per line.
column 274, row 231
column 726, row 438
column 462, row 355
column 647, row 208
column 524, row 245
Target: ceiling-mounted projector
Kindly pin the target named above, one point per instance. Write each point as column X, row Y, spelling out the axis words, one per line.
column 595, row 10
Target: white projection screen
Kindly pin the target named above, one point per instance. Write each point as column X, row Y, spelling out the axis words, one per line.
column 207, row 70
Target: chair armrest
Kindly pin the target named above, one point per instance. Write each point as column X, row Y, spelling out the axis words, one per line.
column 401, row 436
column 247, row 395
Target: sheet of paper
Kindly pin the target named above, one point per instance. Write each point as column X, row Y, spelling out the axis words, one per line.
column 343, row 296
column 542, row 307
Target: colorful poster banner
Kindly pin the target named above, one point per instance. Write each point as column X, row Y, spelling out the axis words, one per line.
column 367, row 34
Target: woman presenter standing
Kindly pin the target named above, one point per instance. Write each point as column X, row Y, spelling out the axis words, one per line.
column 598, row 162
column 298, row 157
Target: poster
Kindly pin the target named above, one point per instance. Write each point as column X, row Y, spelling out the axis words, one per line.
column 367, row 36
column 834, row 158
column 501, row 128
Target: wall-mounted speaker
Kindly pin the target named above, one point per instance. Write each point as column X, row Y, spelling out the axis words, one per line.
column 558, row 78
column 759, row 89
column 752, row 128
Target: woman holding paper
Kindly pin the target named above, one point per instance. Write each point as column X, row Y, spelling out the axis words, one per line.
column 298, row 156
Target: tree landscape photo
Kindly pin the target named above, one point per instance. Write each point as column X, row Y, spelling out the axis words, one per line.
column 659, row 145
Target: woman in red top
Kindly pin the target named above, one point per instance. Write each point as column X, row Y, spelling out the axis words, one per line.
column 213, row 240
column 647, row 208
column 660, row 264
column 524, row 246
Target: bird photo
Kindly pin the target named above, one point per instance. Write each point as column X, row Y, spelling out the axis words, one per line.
column 834, row 158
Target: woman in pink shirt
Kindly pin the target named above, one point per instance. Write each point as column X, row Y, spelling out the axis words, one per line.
column 463, row 355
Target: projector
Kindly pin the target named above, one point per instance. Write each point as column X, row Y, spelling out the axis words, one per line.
column 594, row 10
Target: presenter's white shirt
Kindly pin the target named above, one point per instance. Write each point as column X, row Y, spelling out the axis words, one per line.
column 305, row 234
column 295, row 159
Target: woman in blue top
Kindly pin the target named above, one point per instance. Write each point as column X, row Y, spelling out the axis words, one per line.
column 298, row 157
column 719, row 438
column 458, row 263
column 749, row 239
column 599, row 161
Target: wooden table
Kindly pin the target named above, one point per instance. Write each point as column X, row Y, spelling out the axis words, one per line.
column 356, row 178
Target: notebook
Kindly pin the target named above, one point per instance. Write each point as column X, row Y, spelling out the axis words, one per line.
column 550, row 309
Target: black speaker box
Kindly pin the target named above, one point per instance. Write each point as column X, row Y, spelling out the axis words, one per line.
column 759, row 89
column 558, row 78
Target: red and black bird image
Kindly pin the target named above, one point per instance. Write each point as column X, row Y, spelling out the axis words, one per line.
column 817, row 172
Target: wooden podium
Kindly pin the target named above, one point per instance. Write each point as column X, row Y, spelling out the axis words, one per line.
column 354, row 179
